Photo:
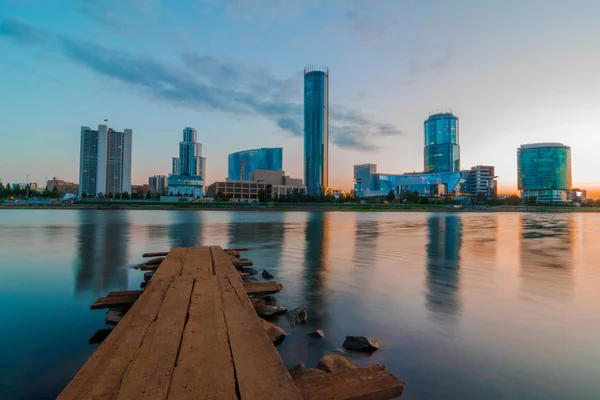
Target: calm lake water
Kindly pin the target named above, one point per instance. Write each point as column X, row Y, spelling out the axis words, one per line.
column 465, row 305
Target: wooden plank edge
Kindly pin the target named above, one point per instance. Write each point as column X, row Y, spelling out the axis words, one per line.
column 159, row 254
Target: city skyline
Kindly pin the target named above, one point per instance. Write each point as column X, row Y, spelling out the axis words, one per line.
column 513, row 92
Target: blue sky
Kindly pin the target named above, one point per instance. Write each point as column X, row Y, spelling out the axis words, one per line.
column 513, row 71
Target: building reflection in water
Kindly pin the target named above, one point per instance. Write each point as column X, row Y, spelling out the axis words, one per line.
column 265, row 238
column 185, row 228
column 480, row 238
column 546, row 253
column 366, row 232
column 443, row 263
column 315, row 266
column 102, row 251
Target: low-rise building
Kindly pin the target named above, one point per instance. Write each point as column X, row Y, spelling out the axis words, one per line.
column 238, row 191
column 141, row 189
column 62, row 186
column 159, row 184
column 480, row 180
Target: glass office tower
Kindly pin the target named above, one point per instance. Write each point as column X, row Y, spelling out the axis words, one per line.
column 242, row 163
column 316, row 129
column 442, row 152
column 88, row 160
column 544, row 167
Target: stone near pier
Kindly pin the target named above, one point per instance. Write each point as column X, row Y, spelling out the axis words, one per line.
column 300, row 371
column 266, row 274
column 269, row 310
column 298, row 315
column 334, row 363
column 360, row 343
column 275, row 333
column 317, row 333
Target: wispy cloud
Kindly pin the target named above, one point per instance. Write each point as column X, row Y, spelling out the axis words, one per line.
column 208, row 83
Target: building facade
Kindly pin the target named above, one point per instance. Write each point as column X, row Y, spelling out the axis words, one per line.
column 544, row 172
column 242, row 163
column 62, row 186
column 369, row 183
column 188, row 172
column 159, row 184
column 238, row 191
column 105, row 161
column 316, row 129
column 442, row 151
column 480, row 180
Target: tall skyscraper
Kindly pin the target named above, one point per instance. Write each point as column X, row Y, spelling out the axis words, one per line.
column 316, row 129
column 189, row 169
column 159, row 183
column 105, row 161
column 442, row 151
column 544, row 171
column 243, row 163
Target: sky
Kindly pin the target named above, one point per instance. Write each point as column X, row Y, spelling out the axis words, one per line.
column 513, row 71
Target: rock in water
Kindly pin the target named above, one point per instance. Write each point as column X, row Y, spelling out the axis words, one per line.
column 298, row 315
column 148, row 276
column 113, row 316
column 360, row 343
column 275, row 333
column 249, row 271
column 266, row 274
column 258, row 303
column 317, row 333
column 268, row 310
column 334, row 363
column 299, row 371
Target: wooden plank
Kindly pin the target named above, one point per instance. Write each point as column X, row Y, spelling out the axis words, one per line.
column 239, row 264
column 124, row 293
column 101, row 375
column 149, row 267
column 373, row 382
column 262, row 288
column 114, row 301
column 198, row 263
column 259, row 370
column 221, row 263
column 204, row 367
column 159, row 254
column 237, row 249
column 149, row 375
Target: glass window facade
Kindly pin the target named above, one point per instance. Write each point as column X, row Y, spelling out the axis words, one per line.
column 544, row 166
column 442, row 151
column 242, row 163
column 88, row 161
column 316, row 129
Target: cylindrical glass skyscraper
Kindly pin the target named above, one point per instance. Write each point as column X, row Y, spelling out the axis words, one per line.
column 316, row 129
column 442, row 152
column 544, row 166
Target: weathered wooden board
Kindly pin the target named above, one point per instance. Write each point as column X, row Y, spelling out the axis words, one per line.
column 373, row 382
column 221, row 263
column 115, row 301
column 204, row 367
column 198, row 263
column 159, row 254
column 262, row 288
column 124, row 293
column 149, row 374
column 259, row 369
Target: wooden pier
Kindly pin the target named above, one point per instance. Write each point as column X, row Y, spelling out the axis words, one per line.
column 193, row 333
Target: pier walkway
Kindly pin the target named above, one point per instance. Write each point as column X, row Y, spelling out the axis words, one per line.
column 193, row 333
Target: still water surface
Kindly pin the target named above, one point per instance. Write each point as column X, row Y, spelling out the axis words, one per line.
column 470, row 306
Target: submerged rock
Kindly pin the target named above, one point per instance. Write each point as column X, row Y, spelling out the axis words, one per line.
column 300, row 371
column 148, row 276
column 298, row 315
column 266, row 274
column 275, row 333
column 249, row 271
column 334, row 363
column 114, row 316
column 317, row 333
column 360, row 343
column 268, row 310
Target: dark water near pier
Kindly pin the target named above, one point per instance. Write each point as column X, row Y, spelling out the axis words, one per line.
column 470, row 306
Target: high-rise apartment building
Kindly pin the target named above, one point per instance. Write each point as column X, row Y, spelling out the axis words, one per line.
column 189, row 169
column 242, row 163
column 316, row 129
column 158, row 183
column 544, row 171
column 105, row 161
column 442, row 151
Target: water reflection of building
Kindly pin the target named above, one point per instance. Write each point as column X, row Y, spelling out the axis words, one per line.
column 443, row 263
column 546, row 254
column 102, row 251
column 480, row 238
column 315, row 265
column 185, row 229
column 366, row 232
column 263, row 236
